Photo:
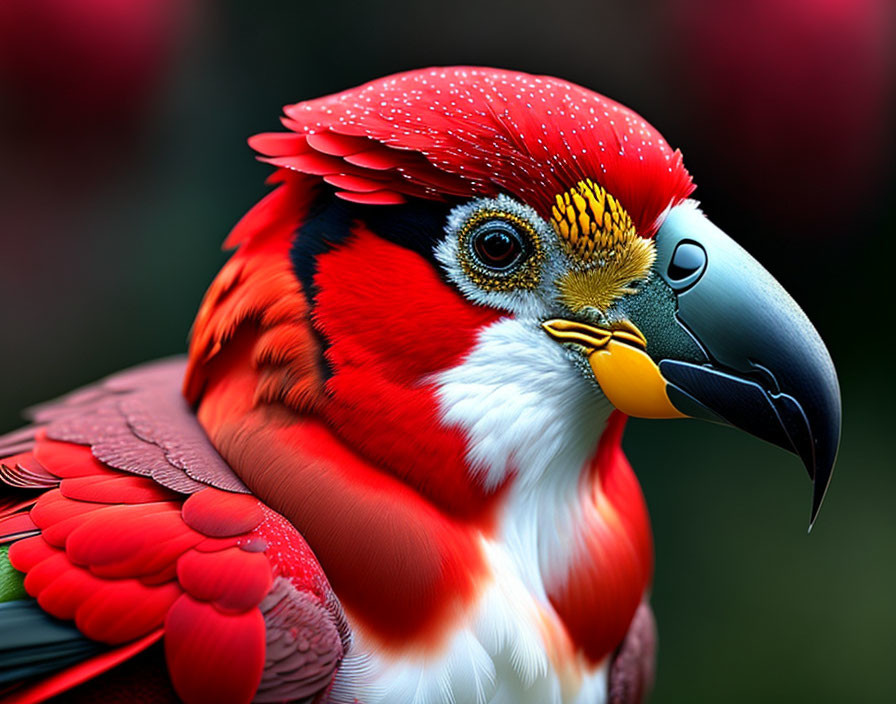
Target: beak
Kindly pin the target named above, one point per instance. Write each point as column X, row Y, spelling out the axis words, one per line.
column 712, row 335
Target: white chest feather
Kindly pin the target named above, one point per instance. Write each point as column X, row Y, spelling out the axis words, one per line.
column 526, row 410
column 509, row 650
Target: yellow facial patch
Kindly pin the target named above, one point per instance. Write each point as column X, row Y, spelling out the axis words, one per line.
column 600, row 240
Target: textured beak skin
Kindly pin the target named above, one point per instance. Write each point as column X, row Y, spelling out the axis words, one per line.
column 712, row 335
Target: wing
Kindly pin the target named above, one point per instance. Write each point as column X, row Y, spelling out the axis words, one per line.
column 126, row 521
column 633, row 664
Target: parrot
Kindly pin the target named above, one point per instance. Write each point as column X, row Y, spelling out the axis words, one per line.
column 389, row 468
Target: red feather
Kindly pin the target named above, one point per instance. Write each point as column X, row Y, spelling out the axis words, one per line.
column 138, row 531
column 381, row 158
column 65, row 459
column 124, row 609
column 16, row 527
column 233, row 579
column 214, row 656
column 608, row 577
column 32, row 551
column 378, row 360
column 119, row 489
column 279, row 143
column 358, row 184
column 25, row 472
column 220, row 514
column 67, row 591
column 490, row 131
column 127, row 559
column 337, row 144
column 374, row 198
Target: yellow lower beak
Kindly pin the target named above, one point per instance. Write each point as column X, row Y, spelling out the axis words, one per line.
column 625, row 372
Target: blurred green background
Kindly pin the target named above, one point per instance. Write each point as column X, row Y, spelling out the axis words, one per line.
column 123, row 164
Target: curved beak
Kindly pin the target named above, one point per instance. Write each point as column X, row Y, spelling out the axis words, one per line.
column 721, row 340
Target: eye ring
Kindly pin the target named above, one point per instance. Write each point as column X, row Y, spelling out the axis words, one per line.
column 497, row 246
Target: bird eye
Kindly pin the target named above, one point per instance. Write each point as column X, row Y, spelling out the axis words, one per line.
column 497, row 246
column 496, row 243
column 687, row 264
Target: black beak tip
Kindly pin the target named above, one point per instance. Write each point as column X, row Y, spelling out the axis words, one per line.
column 825, row 442
column 820, row 482
column 819, row 489
column 811, row 430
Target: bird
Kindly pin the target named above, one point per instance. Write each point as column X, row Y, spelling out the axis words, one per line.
column 389, row 468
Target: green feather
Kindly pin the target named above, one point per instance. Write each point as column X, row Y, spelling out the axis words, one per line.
column 12, row 585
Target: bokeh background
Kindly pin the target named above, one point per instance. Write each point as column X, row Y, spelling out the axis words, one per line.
column 123, row 163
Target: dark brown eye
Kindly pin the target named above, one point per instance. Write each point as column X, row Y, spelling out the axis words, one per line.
column 497, row 246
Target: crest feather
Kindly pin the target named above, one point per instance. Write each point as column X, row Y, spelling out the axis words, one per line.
column 467, row 131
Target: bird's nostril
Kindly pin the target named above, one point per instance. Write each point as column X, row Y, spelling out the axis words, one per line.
column 688, row 259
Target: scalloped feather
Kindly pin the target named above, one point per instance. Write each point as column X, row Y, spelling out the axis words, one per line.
column 471, row 131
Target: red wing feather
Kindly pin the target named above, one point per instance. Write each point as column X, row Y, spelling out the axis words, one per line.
column 16, row 527
column 128, row 558
column 136, row 422
column 89, row 561
column 213, row 657
column 232, row 578
column 221, row 514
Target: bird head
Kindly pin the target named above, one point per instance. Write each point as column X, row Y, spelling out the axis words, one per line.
column 449, row 240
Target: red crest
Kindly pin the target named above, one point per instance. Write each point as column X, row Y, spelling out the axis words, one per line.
column 466, row 131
